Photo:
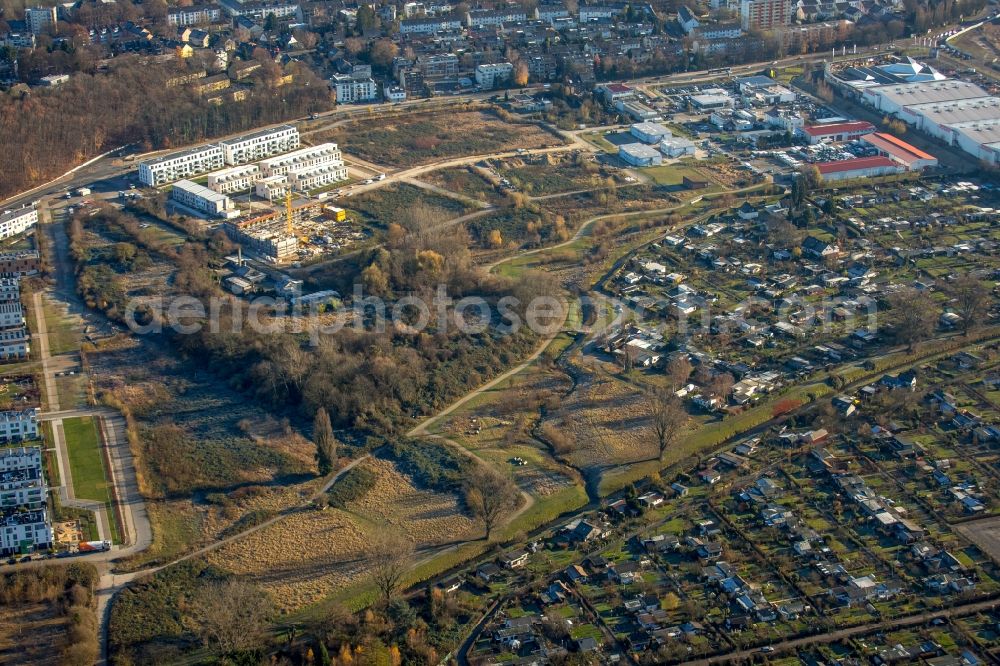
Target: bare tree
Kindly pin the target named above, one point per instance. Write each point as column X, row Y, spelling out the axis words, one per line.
column 679, row 371
column 232, row 616
column 971, row 300
column 491, row 496
column 914, row 317
column 390, row 558
column 668, row 419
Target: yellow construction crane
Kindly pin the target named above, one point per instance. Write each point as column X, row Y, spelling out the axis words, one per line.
column 288, row 212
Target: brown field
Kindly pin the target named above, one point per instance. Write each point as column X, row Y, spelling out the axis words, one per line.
column 32, row 634
column 984, row 533
column 421, row 139
column 308, row 555
column 608, row 421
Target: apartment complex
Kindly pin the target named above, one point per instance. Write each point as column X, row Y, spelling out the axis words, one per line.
column 234, row 179
column 11, row 314
column 40, row 19
column 194, row 15
column 19, row 264
column 199, row 198
column 183, row 164
column 324, row 153
column 303, row 180
column 15, row 343
column 24, row 522
column 765, row 14
column 271, row 187
column 351, row 89
column 18, row 424
column 260, row 144
column 13, row 222
column 491, row 76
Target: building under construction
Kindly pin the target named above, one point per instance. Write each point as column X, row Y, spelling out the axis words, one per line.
column 272, row 235
column 297, row 230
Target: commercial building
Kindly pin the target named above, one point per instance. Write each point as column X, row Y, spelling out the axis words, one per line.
column 183, row 164
column 194, row 15
column 19, row 220
column 40, row 19
column 649, row 132
column 260, row 144
column 613, row 92
column 765, row 14
column 640, row 155
column 892, row 98
column 676, row 146
column 234, row 179
column 862, row 167
column 714, row 98
column 495, row 74
column 836, row 132
column 11, row 314
column 19, row 264
column 201, row 199
column 15, row 343
column 18, row 424
column 900, row 151
column 324, row 153
column 349, row 89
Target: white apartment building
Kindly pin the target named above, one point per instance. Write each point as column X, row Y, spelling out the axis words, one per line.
column 39, row 19
column 272, row 187
column 393, row 93
column 310, row 178
column 260, row 144
column 14, row 343
column 22, row 488
column 490, row 76
column 10, row 289
column 195, row 15
column 24, row 532
column 18, row 424
column 324, row 153
column 200, row 198
column 350, row 89
column 234, row 179
column 11, row 314
column 13, row 222
column 175, row 166
column 20, row 458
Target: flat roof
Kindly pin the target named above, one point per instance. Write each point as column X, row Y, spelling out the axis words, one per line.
column 651, row 128
column 838, row 128
column 897, row 147
column 981, row 131
column 16, row 213
column 617, row 87
column 922, row 92
column 255, row 135
column 855, row 164
column 958, row 111
column 199, row 190
column 639, row 150
column 207, row 147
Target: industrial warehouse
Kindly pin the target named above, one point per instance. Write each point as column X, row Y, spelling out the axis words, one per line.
column 959, row 113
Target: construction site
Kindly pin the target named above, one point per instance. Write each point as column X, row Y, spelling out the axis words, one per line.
column 298, row 231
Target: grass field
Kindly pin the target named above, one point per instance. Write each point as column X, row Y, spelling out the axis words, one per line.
column 64, row 334
column 85, row 459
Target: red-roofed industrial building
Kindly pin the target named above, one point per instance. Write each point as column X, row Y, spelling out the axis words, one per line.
column 898, row 150
column 836, row 132
column 861, row 167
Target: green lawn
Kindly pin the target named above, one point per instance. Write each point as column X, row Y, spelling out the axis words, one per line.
column 85, row 459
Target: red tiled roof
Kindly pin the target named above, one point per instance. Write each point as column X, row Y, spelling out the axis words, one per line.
column 851, row 165
column 898, row 147
column 838, row 128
